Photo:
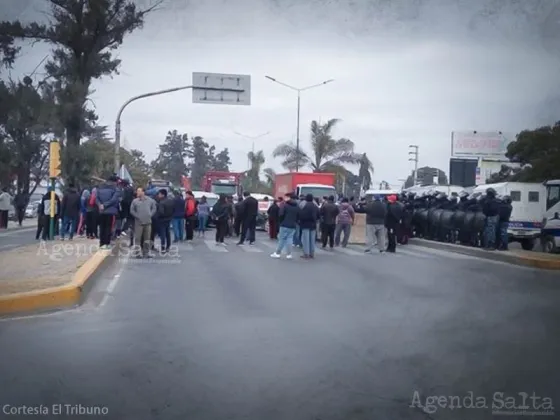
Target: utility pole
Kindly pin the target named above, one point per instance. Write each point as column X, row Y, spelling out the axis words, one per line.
column 252, row 138
column 298, row 90
column 413, row 153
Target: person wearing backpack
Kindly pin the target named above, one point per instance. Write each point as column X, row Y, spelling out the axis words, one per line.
column 344, row 223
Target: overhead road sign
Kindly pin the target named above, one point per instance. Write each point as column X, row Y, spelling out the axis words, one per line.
column 218, row 88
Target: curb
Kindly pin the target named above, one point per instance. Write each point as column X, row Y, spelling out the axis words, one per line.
column 53, row 298
column 502, row 256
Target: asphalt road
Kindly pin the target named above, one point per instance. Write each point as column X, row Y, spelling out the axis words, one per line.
column 237, row 335
column 15, row 237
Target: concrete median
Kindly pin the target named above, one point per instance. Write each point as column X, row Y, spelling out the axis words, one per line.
column 47, row 278
column 516, row 257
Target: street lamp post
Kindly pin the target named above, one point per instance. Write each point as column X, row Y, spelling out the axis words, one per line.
column 298, row 90
column 252, row 138
column 118, row 120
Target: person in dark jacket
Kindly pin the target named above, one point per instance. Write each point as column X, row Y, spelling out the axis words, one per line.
column 238, row 217
column 392, row 221
column 288, row 217
column 43, row 228
column 126, row 201
column 165, row 210
column 328, row 213
column 20, row 203
column 107, row 200
column 70, row 211
column 504, row 212
column 376, row 214
column 249, row 213
column 178, row 217
column 308, row 217
column 490, row 208
column 220, row 213
column 273, row 213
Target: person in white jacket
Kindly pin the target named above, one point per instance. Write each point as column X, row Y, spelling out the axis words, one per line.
column 5, row 206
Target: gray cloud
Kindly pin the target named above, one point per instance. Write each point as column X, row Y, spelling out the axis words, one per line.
column 405, row 72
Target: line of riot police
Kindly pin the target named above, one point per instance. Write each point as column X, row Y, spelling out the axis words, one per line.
column 478, row 219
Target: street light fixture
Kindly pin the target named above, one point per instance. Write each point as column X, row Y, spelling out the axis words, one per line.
column 252, row 138
column 298, row 90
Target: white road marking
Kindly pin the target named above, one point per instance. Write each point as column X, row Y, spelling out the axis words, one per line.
column 6, row 246
column 250, row 248
column 15, row 231
column 213, row 247
column 348, row 251
column 111, row 286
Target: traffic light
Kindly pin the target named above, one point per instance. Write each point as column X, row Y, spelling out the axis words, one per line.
column 54, row 159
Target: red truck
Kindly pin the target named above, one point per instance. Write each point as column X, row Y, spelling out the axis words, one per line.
column 221, row 182
column 303, row 183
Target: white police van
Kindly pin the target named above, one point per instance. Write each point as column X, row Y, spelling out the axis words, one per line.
column 530, row 207
column 550, row 233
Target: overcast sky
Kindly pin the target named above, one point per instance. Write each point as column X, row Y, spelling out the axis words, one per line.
column 403, row 74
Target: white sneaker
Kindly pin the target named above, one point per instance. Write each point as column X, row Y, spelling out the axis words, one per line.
column 289, row 257
column 275, row 255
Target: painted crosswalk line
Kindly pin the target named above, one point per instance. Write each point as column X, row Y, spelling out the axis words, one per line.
column 266, row 246
column 249, row 248
column 213, row 246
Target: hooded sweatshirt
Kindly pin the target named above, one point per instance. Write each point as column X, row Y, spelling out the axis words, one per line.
column 289, row 214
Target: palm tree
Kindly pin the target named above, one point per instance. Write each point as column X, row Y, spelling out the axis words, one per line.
column 256, row 161
column 327, row 154
column 365, row 172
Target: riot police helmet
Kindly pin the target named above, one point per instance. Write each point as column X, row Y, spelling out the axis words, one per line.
column 491, row 192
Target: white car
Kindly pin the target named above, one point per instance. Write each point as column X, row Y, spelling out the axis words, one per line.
column 31, row 210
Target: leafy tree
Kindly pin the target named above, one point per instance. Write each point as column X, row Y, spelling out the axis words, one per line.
column 425, row 176
column 506, row 173
column 327, row 154
column 171, row 159
column 221, row 161
column 85, row 35
column 24, row 121
column 202, row 158
column 256, row 161
column 139, row 169
column 538, row 152
column 98, row 161
column 8, row 50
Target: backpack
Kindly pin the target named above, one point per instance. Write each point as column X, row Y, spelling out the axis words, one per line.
column 92, row 198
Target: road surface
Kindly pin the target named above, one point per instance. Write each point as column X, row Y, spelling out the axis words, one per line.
column 207, row 334
column 15, row 237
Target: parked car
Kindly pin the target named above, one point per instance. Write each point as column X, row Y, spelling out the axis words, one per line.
column 31, row 210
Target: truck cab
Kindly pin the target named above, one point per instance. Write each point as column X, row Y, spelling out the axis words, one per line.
column 317, row 190
column 221, row 182
column 550, row 233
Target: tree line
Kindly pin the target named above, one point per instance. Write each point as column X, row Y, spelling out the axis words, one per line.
column 84, row 36
column 536, row 154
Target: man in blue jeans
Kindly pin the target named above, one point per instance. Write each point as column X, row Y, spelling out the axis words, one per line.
column 178, row 216
column 288, row 216
column 70, row 211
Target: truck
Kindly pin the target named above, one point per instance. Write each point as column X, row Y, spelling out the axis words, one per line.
column 533, row 205
column 302, row 183
column 222, row 182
